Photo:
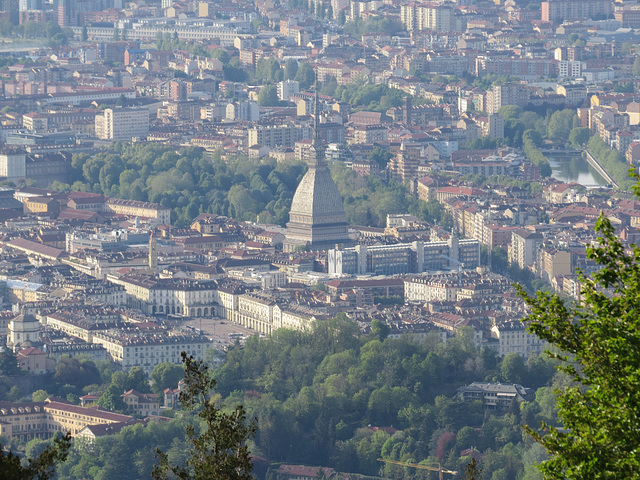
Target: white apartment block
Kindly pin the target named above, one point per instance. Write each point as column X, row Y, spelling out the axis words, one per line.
column 146, row 352
column 570, row 69
column 13, row 166
column 523, row 248
column 438, row 18
column 287, row 88
column 278, row 135
column 122, row 123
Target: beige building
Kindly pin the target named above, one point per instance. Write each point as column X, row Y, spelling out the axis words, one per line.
column 513, row 337
column 156, row 213
column 29, row 420
column 142, row 404
column 552, row 262
column 184, row 297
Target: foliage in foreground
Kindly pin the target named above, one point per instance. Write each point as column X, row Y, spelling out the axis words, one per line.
column 220, row 452
column 42, row 467
column 600, row 413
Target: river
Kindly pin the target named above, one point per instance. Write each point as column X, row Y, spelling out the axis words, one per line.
column 574, row 168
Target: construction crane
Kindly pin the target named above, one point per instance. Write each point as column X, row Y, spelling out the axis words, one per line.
column 441, row 471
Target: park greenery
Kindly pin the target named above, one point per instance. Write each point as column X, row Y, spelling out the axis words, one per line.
column 190, row 181
column 318, row 396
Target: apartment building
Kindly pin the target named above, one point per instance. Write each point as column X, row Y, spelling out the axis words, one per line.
column 278, row 135
column 141, row 404
column 513, row 337
column 415, row 16
column 13, row 166
column 122, row 123
column 131, row 348
column 559, row 10
column 156, row 213
column 524, row 247
column 507, row 94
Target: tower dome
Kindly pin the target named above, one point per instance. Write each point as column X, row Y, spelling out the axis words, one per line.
column 317, row 213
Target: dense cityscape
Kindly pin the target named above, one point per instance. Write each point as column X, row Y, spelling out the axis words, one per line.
column 328, row 202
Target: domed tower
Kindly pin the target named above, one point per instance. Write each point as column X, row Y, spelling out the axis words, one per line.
column 23, row 329
column 317, row 215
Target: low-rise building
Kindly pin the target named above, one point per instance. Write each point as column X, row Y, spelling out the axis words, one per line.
column 495, row 396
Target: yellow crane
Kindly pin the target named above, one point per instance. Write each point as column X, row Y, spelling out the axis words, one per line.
column 439, row 469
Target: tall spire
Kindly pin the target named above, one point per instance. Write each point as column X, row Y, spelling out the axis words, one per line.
column 316, row 115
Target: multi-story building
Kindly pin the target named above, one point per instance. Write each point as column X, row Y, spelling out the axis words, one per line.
column 122, row 123
column 427, row 17
column 495, row 395
column 156, row 213
column 507, row 94
column 13, row 166
column 286, row 88
column 495, row 126
column 558, row 10
column 369, row 134
column 524, row 68
column 524, row 247
column 278, row 135
column 513, row 337
column 416, row 257
column 575, row 94
column 141, row 404
column 131, row 348
column 247, row 111
column 167, row 296
column 454, row 287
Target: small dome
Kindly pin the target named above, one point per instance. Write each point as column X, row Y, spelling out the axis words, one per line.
column 25, row 318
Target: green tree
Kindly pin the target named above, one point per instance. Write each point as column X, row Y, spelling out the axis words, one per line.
column 599, row 412
column 220, row 452
column 8, row 362
column 636, row 67
column 290, row 69
column 42, row 467
column 84, row 36
column 166, row 375
column 111, row 399
column 305, row 75
column 513, row 369
column 39, row 396
column 579, row 136
column 268, row 96
column 560, row 125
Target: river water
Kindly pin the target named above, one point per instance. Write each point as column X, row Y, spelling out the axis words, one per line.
column 574, row 168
